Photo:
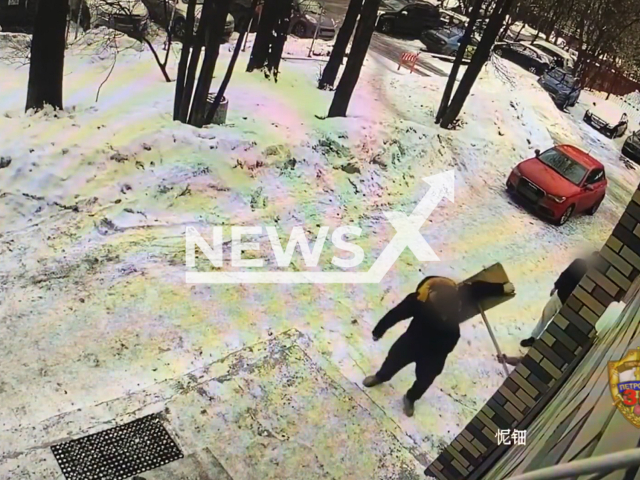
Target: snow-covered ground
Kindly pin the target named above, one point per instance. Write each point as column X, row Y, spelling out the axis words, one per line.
column 94, row 205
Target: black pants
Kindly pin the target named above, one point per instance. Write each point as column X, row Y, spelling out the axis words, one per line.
column 404, row 352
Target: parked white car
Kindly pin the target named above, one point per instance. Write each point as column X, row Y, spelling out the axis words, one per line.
column 607, row 118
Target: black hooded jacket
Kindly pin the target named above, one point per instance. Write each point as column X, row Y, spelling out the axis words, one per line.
column 570, row 278
column 428, row 334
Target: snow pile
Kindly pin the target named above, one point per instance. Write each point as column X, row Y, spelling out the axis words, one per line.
column 633, row 99
column 97, row 198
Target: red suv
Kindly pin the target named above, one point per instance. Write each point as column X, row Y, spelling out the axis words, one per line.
column 560, row 182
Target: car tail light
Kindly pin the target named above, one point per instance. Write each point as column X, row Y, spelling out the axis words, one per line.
column 556, row 198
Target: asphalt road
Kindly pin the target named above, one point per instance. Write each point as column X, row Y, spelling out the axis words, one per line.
column 387, row 46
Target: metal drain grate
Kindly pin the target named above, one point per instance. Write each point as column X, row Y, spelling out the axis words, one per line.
column 118, row 453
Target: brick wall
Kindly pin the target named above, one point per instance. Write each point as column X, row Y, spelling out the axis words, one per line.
column 522, row 394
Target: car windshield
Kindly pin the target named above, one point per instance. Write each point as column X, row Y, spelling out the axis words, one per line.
column 451, row 34
column 309, row 6
column 562, row 77
column 564, row 165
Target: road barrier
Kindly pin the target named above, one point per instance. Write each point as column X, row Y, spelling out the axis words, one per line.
column 408, row 60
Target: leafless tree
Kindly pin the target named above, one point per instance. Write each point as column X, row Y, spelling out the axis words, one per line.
column 243, row 29
column 330, row 72
column 359, row 48
column 271, row 36
column 125, row 12
column 480, row 57
column 47, row 55
column 191, row 97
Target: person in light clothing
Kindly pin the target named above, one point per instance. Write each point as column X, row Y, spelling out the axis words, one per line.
column 562, row 289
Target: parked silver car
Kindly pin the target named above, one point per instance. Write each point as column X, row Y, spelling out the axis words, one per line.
column 445, row 41
column 307, row 14
column 127, row 16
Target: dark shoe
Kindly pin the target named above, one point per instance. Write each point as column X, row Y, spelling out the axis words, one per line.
column 528, row 342
column 371, row 381
column 407, row 406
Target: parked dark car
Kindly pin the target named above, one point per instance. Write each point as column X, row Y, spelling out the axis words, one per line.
column 17, row 15
column 413, row 20
column 240, row 10
column 631, row 147
column 525, row 56
column 563, row 88
column 445, row 41
column 127, row 16
column 608, row 119
column 305, row 18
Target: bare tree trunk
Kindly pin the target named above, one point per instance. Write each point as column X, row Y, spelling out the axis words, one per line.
column 480, row 57
column 520, row 30
column 184, row 58
column 330, row 72
column 464, row 43
column 359, row 47
column 46, row 67
column 194, row 61
column 538, row 27
column 264, row 36
column 232, row 63
column 215, row 32
column 163, row 67
column 507, row 27
column 280, row 33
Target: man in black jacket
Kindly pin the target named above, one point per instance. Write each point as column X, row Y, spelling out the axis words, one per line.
column 436, row 308
column 562, row 289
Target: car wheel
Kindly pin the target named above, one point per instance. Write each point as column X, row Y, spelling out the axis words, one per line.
column 595, row 207
column 299, row 30
column 565, row 104
column 498, row 52
column 179, row 28
column 564, row 218
column 386, row 26
column 533, row 70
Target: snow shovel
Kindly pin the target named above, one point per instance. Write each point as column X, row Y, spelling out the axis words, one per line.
column 494, row 274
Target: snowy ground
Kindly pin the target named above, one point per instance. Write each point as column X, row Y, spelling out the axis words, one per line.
column 93, row 303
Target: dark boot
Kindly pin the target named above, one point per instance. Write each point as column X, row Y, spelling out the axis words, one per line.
column 371, row 381
column 528, row 342
column 407, row 406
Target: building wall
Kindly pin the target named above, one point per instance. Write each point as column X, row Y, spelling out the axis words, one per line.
column 553, row 361
column 582, row 420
